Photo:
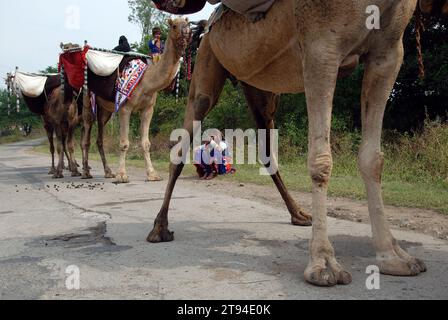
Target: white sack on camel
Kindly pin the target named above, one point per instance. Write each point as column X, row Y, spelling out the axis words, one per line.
column 103, row 64
column 29, row 84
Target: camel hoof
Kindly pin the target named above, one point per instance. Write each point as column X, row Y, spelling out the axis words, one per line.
column 86, row 176
column 328, row 276
column 121, row 179
column 76, row 174
column 160, row 234
column 302, row 219
column 154, row 179
column 109, row 175
column 402, row 268
column 58, row 175
column 52, row 171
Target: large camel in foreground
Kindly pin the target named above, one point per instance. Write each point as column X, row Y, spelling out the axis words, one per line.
column 301, row 46
column 59, row 114
column 156, row 78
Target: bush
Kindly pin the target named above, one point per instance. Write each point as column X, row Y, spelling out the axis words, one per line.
column 421, row 156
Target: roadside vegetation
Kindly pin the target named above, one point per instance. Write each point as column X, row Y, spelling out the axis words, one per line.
column 416, row 169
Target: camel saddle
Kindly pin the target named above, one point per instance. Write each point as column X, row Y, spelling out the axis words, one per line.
column 254, row 9
column 30, row 85
column 103, row 63
column 105, row 86
column 37, row 104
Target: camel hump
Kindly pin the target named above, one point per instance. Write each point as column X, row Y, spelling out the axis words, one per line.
column 260, row 53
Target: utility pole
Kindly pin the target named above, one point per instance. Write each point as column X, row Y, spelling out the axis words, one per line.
column 8, row 97
column 17, row 95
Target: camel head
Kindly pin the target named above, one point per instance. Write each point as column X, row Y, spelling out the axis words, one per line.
column 180, row 33
column 69, row 46
column 434, row 7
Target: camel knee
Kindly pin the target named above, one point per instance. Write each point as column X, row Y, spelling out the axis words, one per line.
column 85, row 145
column 320, row 167
column 201, row 106
column 100, row 143
column 371, row 164
column 124, row 146
column 146, row 145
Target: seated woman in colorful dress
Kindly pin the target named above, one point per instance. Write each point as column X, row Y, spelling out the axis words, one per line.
column 213, row 159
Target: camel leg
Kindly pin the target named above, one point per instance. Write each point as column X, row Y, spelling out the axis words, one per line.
column 88, row 119
column 264, row 106
column 125, row 118
column 73, row 167
column 103, row 118
column 50, row 134
column 381, row 71
column 320, row 75
column 60, row 148
column 146, row 118
column 66, row 153
column 206, row 87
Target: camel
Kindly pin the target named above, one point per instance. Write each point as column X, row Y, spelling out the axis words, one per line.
column 59, row 115
column 156, row 78
column 318, row 40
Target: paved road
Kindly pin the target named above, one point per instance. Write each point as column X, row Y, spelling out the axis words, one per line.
column 225, row 248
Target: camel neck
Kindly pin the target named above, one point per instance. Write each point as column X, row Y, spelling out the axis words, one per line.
column 172, row 54
column 163, row 72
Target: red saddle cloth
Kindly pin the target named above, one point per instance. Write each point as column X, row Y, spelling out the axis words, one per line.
column 74, row 66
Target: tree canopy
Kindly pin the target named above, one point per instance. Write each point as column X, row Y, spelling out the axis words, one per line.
column 146, row 16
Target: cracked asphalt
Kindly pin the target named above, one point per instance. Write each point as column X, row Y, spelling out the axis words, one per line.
column 225, row 248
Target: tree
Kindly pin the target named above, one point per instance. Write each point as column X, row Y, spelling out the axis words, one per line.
column 15, row 119
column 146, row 16
column 49, row 70
column 414, row 100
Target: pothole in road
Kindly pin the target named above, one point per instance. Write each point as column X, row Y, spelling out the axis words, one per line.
column 93, row 239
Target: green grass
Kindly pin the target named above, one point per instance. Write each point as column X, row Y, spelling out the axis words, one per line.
column 17, row 136
column 346, row 181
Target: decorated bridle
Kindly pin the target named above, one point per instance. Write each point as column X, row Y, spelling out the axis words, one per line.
column 183, row 42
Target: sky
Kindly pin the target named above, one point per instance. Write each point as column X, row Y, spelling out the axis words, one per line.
column 31, row 31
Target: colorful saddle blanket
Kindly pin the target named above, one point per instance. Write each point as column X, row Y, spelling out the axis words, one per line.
column 128, row 81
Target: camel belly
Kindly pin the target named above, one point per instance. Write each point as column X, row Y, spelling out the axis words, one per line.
column 257, row 53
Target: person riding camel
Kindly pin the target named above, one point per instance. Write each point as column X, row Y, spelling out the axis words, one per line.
column 255, row 10
column 123, row 45
column 156, row 45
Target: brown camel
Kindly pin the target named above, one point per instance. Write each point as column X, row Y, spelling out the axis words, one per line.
column 318, row 40
column 156, row 78
column 59, row 115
